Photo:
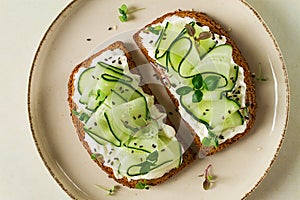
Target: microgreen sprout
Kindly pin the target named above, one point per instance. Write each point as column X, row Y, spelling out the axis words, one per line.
column 142, row 185
column 155, row 30
column 81, row 115
column 192, row 32
column 124, row 11
column 260, row 76
column 97, row 156
column 110, row 191
column 202, row 36
column 75, row 112
column 208, row 178
column 210, row 140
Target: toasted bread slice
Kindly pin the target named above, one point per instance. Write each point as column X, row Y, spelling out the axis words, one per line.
column 187, row 158
column 203, row 20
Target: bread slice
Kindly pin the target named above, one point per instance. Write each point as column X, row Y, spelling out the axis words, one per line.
column 187, row 157
column 215, row 28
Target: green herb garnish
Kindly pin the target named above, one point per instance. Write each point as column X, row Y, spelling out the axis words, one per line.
column 155, row 30
column 197, row 96
column 211, row 82
column 84, row 117
column 124, row 11
column 81, row 115
column 211, row 140
column 260, row 76
column 208, row 178
column 197, row 81
column 202, row 36
column 190, row 29
column 110, row 191
column 192, row 32
column 97, row 156
column 75, row 112
column 184, row 90
column 142, row 185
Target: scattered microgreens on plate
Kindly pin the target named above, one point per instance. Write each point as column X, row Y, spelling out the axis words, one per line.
column 124, row 11
column 208, row 178
column 110, row 191
column 260, row 76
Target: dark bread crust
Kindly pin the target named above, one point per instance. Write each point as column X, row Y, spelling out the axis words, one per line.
column 188, row 157
column 237, row 57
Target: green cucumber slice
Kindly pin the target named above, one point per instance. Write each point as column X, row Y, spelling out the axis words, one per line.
column 95, row 100
column 145, row 138
column 95, row 83
column 180, row 54
column 87, row 83
column 166, row 38
column 168, row 153
column 233, row 120
column 115, row 72
column 85, row 79
column 114, row 99
column 98, row 128
column 176, row 48
column 126, row 119
column 216, row 61
column 111, row 67
column 204, row 45
column 211, row 113
column 126, row 91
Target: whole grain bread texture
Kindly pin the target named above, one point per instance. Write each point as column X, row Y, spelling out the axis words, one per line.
column 188, row 157
column 238, row 58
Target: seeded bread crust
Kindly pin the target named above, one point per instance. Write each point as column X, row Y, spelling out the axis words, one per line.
column 205, row 20
column 188, row 157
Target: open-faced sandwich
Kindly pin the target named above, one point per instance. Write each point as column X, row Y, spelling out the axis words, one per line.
column 204, row 73
column 118, row 122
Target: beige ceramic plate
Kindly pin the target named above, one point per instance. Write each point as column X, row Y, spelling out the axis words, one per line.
column 81, row 27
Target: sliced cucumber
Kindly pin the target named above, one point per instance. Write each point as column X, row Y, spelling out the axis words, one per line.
column 98, row 128
column 126, row 119
column 111, row 67
column 233, row 120
column 182, row 57
column 114, row 99
column 166, row 38
column 216, row 61
column 176, row 48
column 96, row 83
column 204, row 45
column 87, row 83
column 225, row 85
column 167, row 153
column 145, row 138
column 85, row 79
column 126, row 91
column 115, row 72
column 211, row 113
